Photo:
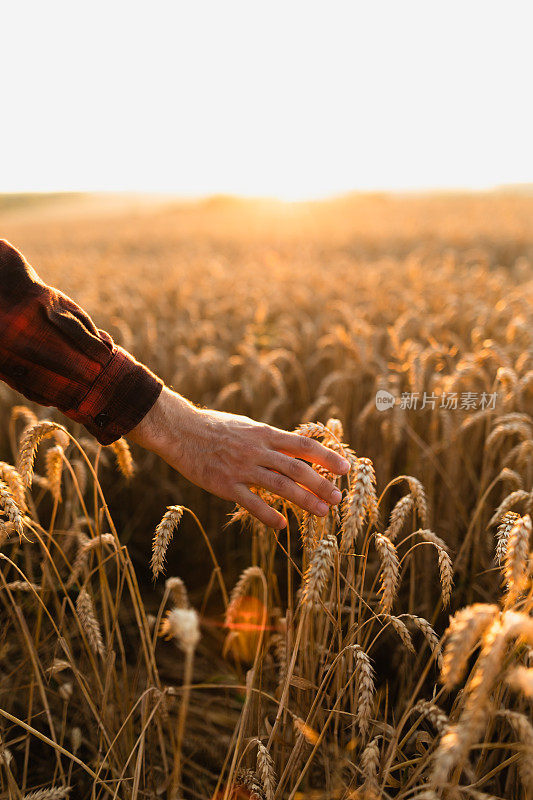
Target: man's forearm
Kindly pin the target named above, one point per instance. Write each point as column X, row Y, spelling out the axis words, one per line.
column 52, row 352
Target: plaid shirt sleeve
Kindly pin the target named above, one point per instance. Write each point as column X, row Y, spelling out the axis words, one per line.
column 51, row 352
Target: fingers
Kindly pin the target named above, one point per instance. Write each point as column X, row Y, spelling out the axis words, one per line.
column 303, row 474
column 284, row 487
column 264, row 513
column 309, row 449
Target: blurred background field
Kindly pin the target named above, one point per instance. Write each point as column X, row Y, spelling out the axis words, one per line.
column 291, row 313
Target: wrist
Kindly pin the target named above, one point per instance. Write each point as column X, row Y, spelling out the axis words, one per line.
column 161, row 427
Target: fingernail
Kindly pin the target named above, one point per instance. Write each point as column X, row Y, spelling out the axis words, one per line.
column 323, row 508
column 345, row 465
column 336, row 496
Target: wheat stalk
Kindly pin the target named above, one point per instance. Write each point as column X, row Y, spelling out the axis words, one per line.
column 318, row 571
column 54, row 469
column 123, row 457
column 429, row 634
column 58, row 665
column 30, row 441
column 516, row 554
column 11, row 477
column 265, row 770
column 446, row 576
column 183, row 625
column 444, row 561
column 54, row 793
column 85, row 546
column 370, row 763
column 502, row 534
column 6, row 529
column 364, row 675
column 308, row 530
column 22, row 586
column 463, row 634
column 511, row 500
column 162, row 537
column 318, row 430
column 10, row 508
column 359, row 503
column 177, row 589
column 399, row 515
column 239, row 591
column 24, row 413
column 401, row 629
column 247, row 784
column 419, row 498
column 434, row 713
column 335, row 426
column 390, row 570
column 89, row 622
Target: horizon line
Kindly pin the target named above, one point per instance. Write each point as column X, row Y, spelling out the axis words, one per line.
column 525, row 187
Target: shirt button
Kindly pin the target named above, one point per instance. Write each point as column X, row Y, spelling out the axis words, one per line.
column 19, row 371
column 100, row 419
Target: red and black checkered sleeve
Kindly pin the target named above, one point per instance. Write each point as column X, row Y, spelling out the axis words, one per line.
column 52, row 352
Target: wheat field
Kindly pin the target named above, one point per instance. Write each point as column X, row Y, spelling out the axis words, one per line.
column 157, row 642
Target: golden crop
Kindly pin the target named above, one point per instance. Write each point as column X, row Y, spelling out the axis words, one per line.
column 333, row 668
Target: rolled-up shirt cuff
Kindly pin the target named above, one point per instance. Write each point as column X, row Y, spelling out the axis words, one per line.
column 119, row 398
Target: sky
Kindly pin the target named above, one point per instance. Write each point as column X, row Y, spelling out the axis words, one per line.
column 286, row 99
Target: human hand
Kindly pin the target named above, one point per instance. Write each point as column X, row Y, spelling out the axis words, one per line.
column 226, row 454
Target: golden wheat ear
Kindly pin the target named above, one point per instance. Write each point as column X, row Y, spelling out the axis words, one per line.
column 163, row 536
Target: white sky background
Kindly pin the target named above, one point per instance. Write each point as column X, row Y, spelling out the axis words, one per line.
column 290, row 99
